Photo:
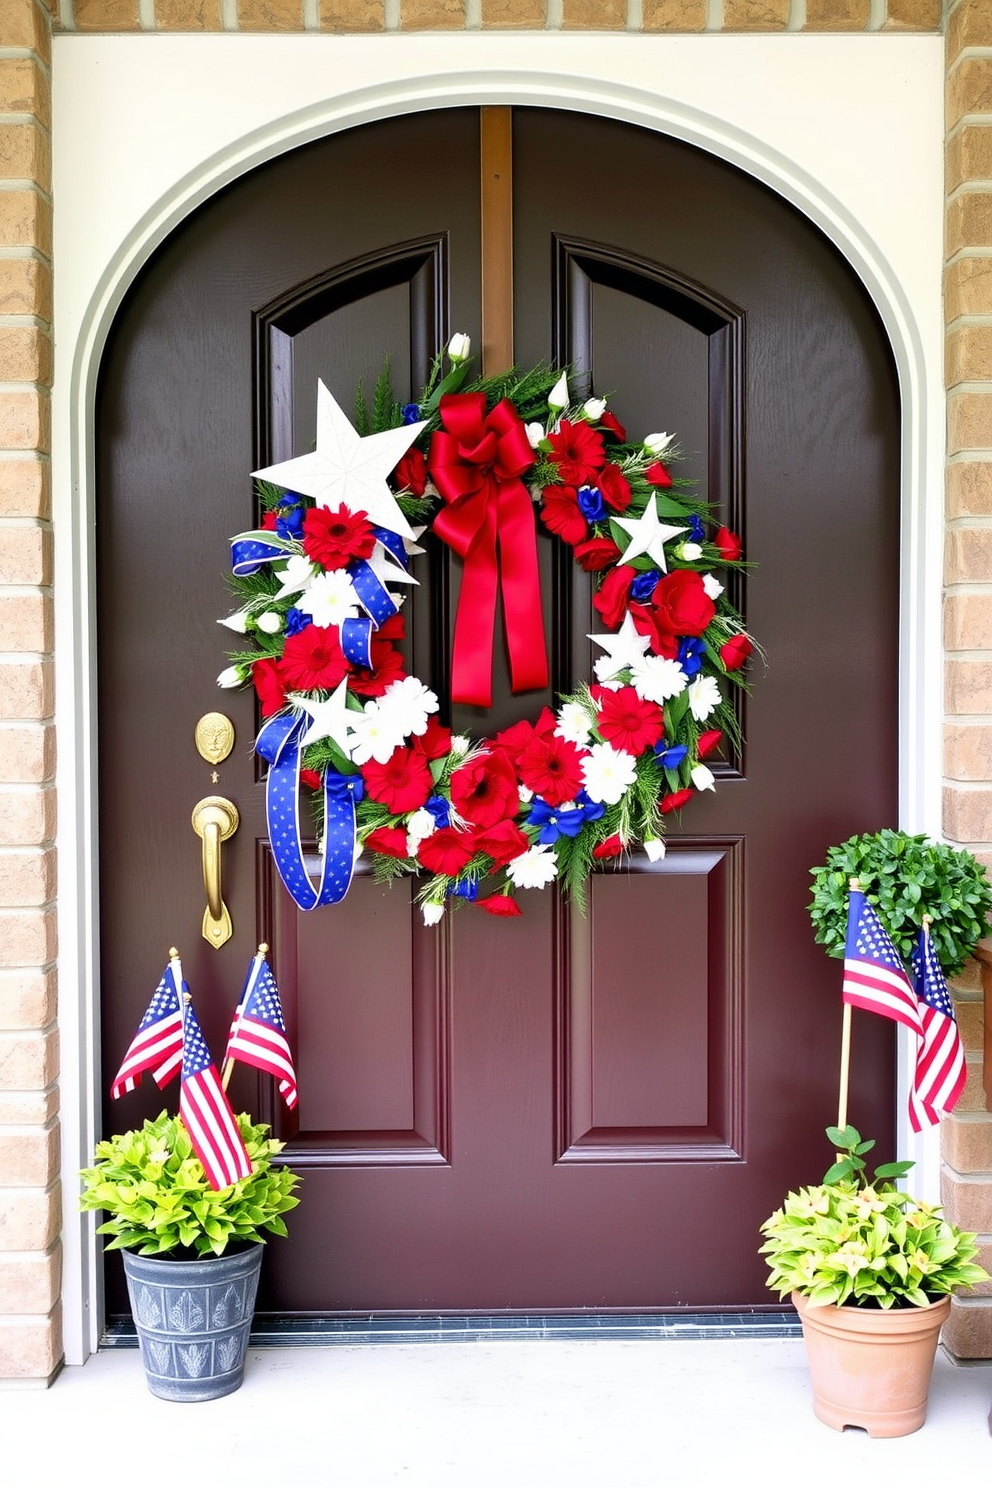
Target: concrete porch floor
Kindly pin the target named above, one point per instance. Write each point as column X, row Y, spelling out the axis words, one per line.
column 586, row 1414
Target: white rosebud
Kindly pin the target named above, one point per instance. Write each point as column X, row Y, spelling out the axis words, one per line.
column 420, row 825
column 702, row 777
column 535, row 433
column 593, row 409
column 270, row 622
column 655, row 849
column 558, row 396
column 359, row 849
column 432, row 913
column 230, row 677
column 459, row 350
column 689, row 552
column 459, row 744
column 712, row 586
column 238, row 621
column 656, row 444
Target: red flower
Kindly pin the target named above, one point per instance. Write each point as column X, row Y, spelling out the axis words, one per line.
column 657, row 475
column 675, row 800
column 611, row 848
column 266, row 674
column 435, row 741
column 579, row 453
column 629, row 722
column 560, row 513
column 310, row 778
column 596, row 554
column 551, row 767
column 612, row 423
column 646, row 624
column 611, row 601
column 447, row 851
column 411, row 473
column 388, row 840
column 403, row 783
column 735, row 652
column 484, row 790
column 393, row 629
column 614, row 487
column 387, row 666
column 313, row 658
column 503, row 842
column 708, row 742
column 269, row 522
column 681, row 604
column 514, row 740
column 503, row 905
column 728, row 545
column 333, row 539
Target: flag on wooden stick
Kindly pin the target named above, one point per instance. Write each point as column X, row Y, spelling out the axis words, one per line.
column 158, row 1043
column 940, row 1064
column 874, row 976
column 258, row 1033
column 205, row 1111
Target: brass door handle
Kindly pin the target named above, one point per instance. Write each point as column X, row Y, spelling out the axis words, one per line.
column 214, row 821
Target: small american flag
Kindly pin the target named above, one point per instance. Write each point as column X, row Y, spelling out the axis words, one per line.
column 940, row 1063
column 205, row 1111
column 874, row 977
column 258, row 1033
column 158, row 1043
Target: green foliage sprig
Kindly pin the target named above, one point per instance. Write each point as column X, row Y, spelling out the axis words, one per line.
column 905, row 878
column 852, row 1242
column 152, row 1186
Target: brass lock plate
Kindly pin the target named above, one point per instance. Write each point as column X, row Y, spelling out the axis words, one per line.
column 214, row 736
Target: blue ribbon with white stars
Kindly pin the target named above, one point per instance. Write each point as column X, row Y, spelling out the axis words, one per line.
column 249, row 553
column 373, row 596
column 279, row 742
column 356, row 641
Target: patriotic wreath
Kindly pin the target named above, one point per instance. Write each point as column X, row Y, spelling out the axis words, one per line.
column 318, row 586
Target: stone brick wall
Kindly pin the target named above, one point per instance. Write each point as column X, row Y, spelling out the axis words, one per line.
column 30, row 1340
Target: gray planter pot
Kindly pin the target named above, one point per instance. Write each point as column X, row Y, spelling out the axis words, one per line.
column 193, row 1319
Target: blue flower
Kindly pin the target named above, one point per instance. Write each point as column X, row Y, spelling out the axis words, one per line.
column 440, row 810
column 411, row 413
column 670, row 756
column 692, row 649
column 591, row 810
column 554, row 821
column 591, row 503
column 289, row 522
column 468, row 890
column 297, row 620
column 642, row 588
column 697, row 532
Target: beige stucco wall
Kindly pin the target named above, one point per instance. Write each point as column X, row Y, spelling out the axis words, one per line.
column 30, row 1211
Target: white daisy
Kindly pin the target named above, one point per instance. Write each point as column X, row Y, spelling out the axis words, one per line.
column 375, row 735
column 658, row 678
column 410, row 703
column 608, row 773
column 704, row 694
column 534, row 869
column 573, row 723
column 330, row 599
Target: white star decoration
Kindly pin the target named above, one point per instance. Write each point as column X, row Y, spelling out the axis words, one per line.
column 648, row 535
column 328, row 720
column 347, row 470
column 625, row 649
column 386, row 569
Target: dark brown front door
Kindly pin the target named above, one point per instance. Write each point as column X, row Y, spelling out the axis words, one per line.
column 555, row 1112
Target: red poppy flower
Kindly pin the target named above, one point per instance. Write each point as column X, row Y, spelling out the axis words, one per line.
column 663, row 643
column 614, row 487
column 503, row 842
column 266, row 674
column 629, row 722
column 393, row 629
column 560, row 513
column 313, row 658
column 611, row 600
column 503, row 905
column 735, row 652
column 551, row 767
column 612, row 423
column 674, row 801
column 681, row 604
column 403, row 783
column 333, row 539
column 578, row 452
column 310, row 778
column 596, row 553
column 411, row 473
column 514, row 740
column 387, row 666
column 388, row 840
column 484, row 790
column 447, row 851
column 269, row 522
column 612, row 847
column 728, row 545
column 708, row 742
column 657, row 475
column 435, row 741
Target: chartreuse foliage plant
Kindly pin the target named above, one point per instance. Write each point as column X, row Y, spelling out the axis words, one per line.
column 854, row 1242
column 905, row 877
column 153, row 1188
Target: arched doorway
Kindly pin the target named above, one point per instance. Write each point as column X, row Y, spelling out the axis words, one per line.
column 559, row 1113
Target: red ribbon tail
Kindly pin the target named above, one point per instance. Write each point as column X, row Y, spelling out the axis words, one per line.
column 523, row 615
column 472, row 652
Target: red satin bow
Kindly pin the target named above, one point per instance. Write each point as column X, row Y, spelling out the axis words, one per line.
column 476, row 462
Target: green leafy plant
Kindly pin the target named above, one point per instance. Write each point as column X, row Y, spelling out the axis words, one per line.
column 851, row 1241
column 152, row 1186
column 905, row 878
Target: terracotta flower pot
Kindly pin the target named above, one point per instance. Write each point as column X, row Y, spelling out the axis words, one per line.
column 869, row 1367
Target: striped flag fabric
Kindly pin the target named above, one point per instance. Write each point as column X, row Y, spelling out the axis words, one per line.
column 205, row 1112
column 874, row 976
column 258, row 1033
column 158, row 1043
column 940, row 1063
